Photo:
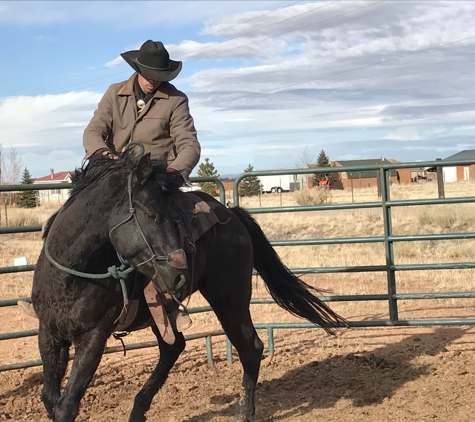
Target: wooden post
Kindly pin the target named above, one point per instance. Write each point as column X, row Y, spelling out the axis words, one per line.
column 440, row 180
column 6, row 213
column 378, row 183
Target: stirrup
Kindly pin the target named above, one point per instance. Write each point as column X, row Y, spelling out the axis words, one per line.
column 27, row 308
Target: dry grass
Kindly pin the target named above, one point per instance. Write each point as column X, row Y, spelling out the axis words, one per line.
column 329, row 224
column 314, row 196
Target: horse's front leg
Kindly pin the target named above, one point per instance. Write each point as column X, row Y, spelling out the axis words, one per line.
column 88, row 354
column 168, row 356
column 54, row 354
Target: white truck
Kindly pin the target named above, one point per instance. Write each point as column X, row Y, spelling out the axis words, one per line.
column 276, row 183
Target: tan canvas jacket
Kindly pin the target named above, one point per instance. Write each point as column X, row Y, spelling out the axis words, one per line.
column 165, row 126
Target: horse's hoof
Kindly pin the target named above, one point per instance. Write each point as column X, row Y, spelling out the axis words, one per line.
column 136, row 417
column 243, row 418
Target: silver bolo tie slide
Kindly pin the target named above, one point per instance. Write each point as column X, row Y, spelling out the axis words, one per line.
column 140, row 104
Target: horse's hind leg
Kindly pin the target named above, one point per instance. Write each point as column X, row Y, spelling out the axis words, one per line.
column 232, row 310
column 88, row 354
column 54, row 354
column 168, row 356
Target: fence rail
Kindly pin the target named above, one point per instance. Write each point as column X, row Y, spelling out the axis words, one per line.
column 388, row 240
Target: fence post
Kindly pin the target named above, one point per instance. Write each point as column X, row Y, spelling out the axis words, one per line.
column 440, row 180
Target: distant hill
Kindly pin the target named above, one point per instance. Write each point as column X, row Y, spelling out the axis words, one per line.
column 229, row 177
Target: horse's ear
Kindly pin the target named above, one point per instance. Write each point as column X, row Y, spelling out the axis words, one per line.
column 144, row 169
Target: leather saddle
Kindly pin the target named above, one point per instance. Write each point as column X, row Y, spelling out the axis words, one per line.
column 194, row 217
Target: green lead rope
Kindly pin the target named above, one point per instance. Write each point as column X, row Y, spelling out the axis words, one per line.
column 119, row 273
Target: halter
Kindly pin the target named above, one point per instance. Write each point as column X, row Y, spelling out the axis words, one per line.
column 176, row 258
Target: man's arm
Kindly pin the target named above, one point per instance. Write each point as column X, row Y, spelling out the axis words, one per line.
column 99, row 127
column 183, row 133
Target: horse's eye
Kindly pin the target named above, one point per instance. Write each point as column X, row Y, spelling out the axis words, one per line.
column 154, row 217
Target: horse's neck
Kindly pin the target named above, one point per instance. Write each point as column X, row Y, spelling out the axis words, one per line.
column 80, row 239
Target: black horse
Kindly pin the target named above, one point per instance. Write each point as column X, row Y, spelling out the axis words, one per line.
column 127, row 209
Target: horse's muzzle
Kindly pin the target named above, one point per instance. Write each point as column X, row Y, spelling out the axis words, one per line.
column 177, row 259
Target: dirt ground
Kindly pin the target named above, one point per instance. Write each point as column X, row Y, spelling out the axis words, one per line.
column 370, row 374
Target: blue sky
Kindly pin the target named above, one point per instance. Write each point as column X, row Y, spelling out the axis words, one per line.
column 268, row 81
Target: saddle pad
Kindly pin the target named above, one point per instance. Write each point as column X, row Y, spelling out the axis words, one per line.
column 199, row 214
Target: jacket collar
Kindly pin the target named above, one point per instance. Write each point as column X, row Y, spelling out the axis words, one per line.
column 127, row 88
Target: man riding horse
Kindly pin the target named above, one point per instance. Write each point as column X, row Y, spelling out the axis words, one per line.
column 149, row 109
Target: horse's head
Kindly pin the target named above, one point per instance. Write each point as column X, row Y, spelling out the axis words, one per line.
column 142, row 225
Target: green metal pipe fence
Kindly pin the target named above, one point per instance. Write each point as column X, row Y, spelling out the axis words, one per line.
column 388, row 240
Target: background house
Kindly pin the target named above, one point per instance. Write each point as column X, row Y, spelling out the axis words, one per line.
column 365, row 179
column 457, row 173
column 362, row 179
column 54, row 195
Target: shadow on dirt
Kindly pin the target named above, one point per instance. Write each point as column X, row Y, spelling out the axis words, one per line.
column 363, row 378
column 33, row 382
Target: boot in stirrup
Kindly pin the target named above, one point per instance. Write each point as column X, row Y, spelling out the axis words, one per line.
column 178, row 315
column 27, row 308
column 180, row 320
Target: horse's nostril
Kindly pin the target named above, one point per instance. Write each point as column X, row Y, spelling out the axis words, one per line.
column 180, row 280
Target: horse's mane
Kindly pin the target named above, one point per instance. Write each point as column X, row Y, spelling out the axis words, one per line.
column 98, row 168
column 167, row 183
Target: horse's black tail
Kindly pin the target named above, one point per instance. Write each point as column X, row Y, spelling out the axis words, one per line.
column 287, row 290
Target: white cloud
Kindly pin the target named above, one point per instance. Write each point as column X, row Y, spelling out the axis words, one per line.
column 39, row 165
column 47, row 130
column 24, row 117
column 115, row 62
column 263, row 81
column 129, row 14
column 46, row 38
column 416, row 133
column 240, row 120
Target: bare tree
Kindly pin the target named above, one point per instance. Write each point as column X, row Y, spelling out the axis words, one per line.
column 11, row 167
column 10, row 174
column 305, row 158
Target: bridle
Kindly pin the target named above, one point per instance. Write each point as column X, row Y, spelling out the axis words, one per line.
column 176, row 258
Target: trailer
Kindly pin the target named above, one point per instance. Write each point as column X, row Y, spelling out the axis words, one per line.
column 277, row 184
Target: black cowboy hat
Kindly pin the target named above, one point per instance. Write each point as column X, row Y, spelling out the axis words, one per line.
column 153, row 62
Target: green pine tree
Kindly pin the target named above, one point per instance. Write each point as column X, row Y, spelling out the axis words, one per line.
column 323, row 161
column 249, row 186
column 207, row 169
column 27, row 198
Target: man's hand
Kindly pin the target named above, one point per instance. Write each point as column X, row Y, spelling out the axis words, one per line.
column 106, row 152
column 176, row 176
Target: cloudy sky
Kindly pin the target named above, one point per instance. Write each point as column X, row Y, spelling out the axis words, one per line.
column 267, row 80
